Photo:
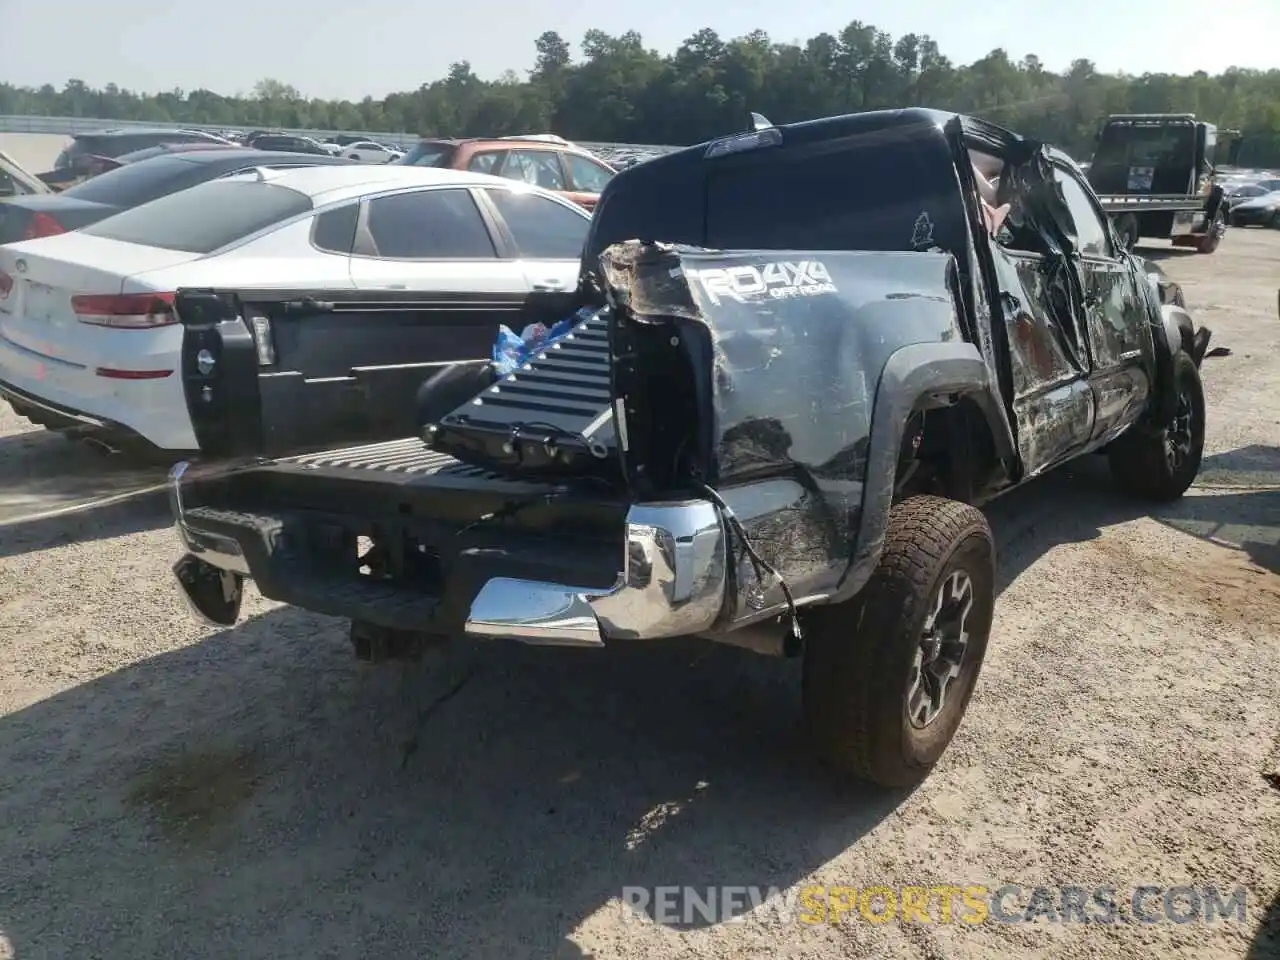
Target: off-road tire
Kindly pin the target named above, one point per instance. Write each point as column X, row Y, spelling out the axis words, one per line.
column 859, row 656
column 1140, row 461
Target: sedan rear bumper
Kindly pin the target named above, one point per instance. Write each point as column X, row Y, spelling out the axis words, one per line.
column 65, row 419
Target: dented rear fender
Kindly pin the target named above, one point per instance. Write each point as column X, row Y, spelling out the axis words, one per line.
column 784, row 380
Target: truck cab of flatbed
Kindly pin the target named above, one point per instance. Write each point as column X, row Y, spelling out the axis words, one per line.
column 804, row 357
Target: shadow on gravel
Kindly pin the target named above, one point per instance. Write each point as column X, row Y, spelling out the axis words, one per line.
column 1073, row 503
column 1266, row 942
column 43, row 476
column 260, row 794
column 251, row 796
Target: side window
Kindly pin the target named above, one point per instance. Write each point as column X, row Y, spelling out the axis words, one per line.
column 8, row 186
column 542, row 228
column 335, row 230
column 485, row 162
column 538, row 167
column 1090, row 229
column 587, row 175
column 429, row 224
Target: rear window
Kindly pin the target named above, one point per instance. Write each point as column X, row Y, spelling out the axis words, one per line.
column 141, row 182
column 1143, row 144
column 886, row 190
column 287, row 144
column 115, row 146
column 204, row 218
column 428, row 155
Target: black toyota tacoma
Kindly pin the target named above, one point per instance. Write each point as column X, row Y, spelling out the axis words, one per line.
column 805, row 355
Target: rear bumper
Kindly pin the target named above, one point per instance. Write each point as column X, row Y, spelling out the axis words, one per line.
column 670, row 578
column 73, row 395
column 66, row 419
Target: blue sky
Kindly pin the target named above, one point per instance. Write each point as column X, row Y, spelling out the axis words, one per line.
column 334, row 49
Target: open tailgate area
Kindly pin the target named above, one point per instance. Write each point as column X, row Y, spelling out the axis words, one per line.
column 396, row 534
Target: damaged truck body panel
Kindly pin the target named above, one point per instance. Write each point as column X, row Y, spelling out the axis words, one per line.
column 800, row 358
column 774, row 378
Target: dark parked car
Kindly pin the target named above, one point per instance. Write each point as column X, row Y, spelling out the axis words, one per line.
column 1256, row 209
column 114, row 143
column 287, row 143
column 165, row 148
column 772, row 426
column 27, row 218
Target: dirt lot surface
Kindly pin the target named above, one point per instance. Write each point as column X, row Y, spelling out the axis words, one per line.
column 168, row 791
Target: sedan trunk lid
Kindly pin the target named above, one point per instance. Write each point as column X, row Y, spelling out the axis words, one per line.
column 37, row 314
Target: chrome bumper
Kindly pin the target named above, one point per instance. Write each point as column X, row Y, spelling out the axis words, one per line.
column 221, row 552
column 672, row 584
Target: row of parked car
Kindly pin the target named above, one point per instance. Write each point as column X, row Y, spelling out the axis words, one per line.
column 1254, row 199
column 90, row 276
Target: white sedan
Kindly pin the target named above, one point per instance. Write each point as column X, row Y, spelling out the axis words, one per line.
column 370, row 152
column 261, row 312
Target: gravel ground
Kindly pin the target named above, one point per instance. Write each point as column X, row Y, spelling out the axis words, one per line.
column 167, row 791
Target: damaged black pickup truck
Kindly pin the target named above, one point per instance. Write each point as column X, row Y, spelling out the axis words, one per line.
column 807, row 353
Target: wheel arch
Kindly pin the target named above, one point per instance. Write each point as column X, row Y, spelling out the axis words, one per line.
column 949, row 377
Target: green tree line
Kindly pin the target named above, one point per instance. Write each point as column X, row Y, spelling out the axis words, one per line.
column 620, row 90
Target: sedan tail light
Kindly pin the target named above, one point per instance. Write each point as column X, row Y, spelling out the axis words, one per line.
column 128, row 311
column 42, row 225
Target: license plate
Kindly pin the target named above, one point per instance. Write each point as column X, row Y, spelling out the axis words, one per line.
column 40, row 302
column 1140, row 178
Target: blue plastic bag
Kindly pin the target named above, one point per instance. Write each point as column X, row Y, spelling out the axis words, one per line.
column 510, row 351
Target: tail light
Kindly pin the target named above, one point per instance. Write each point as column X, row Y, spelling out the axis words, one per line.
column 128, row 311
column 42, row 225
column 6, row 285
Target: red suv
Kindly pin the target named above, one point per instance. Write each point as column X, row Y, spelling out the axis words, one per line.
column 559, row 167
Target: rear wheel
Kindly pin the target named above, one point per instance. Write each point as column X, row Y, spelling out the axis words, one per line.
column 1162, row 464
column 888, row 675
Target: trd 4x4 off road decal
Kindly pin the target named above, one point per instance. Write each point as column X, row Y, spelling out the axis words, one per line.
column 770, row 281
